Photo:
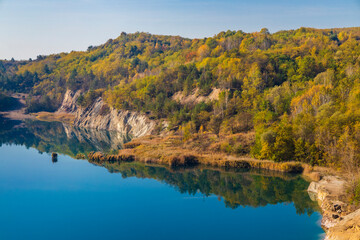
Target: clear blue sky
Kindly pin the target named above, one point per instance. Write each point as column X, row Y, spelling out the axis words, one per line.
column 33, row 27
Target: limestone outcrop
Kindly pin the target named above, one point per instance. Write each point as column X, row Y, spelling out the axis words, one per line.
column 102, row 117
column 338, row 221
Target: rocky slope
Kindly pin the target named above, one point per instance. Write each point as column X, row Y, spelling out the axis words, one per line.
column 102, row 117
column 347, row 229
column 338, row 221
column 195, row 97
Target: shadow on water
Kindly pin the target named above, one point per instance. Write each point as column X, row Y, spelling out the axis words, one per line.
column 237, row 188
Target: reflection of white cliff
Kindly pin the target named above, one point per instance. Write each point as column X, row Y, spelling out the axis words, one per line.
column 125, row 122
column 101, row 140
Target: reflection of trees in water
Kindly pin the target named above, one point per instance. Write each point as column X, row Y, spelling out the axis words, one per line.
column 238, row 189
column 255, row 189
column 7, row 124
column 58, row 137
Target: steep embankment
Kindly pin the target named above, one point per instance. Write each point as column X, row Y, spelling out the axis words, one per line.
column 102, row 117
column 338, row 221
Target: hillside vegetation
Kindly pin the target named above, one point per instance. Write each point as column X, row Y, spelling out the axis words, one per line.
column 298, row 90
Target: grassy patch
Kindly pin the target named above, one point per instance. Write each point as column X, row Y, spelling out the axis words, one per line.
column 58, row 117
column 174, row 152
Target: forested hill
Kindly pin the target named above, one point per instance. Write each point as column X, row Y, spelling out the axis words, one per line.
column 298, row 90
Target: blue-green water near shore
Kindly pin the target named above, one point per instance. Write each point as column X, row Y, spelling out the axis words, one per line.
column 75, row 199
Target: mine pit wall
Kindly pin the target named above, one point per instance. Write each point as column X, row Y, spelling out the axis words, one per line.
column 101, row 117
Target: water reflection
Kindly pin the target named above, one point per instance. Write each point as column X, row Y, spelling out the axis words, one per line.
column 249, row 188
column 245, row 188
column 58, row 137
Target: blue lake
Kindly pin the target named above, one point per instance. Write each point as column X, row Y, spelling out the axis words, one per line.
column 75, row 199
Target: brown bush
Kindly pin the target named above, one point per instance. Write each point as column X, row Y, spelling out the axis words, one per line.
column 101, row 157
column 183, row 161
column 104, row 110
column 131, row 145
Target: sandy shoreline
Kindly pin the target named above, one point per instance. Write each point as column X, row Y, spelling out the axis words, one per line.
column 18, row 114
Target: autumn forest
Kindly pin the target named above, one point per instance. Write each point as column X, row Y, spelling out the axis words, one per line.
column 296, row 91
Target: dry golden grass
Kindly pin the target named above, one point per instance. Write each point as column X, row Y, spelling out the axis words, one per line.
column 101, row 157
column 59, row 117
column 172, row 151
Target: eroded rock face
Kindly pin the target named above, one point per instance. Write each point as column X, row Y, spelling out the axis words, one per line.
column 99, row 116
column 102, row 117
column 327, row 192
column 69, row 103
column 347, row 229
column 338, row 222
column 194, row 97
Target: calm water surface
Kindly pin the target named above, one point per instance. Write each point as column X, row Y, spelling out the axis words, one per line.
column 75, row 199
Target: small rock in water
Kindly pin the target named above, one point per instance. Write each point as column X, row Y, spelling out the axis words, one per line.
column 54, row 156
